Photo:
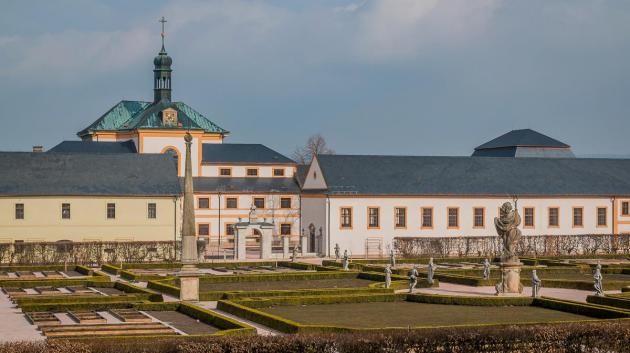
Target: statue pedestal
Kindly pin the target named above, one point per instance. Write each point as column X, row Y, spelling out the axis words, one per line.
column 510, row 284
column 189, row 287
column 285, row 246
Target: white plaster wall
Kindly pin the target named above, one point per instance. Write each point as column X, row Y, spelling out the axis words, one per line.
column 264, row 171
column 354, row 238
column 157, row 144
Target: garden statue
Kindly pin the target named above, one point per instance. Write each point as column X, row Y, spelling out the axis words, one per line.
column 413, row 278
column 392, row 257
column 337, row 251
column 388, row 276
column 536, row 282
column 253, row 218
column 597, row 278
column 294, row 254
column 430, row 271
column 486, row 269
column 345, row 260
column 507, row 228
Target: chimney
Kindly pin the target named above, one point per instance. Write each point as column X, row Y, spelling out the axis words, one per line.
column 38, row 149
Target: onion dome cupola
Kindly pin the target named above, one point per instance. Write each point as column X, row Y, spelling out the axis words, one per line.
column 162, row 72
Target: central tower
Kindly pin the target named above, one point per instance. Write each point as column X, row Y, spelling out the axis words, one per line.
column 162, row 72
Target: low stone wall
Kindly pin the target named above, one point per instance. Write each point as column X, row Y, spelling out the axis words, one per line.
column 87, row 253
column 537, row 245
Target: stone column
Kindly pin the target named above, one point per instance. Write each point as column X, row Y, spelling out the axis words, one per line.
column 240, row 250
column 189, row 280
column 303, row 243
column 285, row 246
column 266, row 238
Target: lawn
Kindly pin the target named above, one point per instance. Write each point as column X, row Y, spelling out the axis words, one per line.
column 403, row 314
column 285, row 284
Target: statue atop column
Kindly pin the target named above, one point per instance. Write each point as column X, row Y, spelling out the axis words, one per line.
column 253, row 218
column 507, row 228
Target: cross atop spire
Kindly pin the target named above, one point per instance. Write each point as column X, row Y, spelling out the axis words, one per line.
column 163, row 21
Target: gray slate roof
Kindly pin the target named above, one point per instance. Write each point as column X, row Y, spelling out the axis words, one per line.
column 94, row 147
column 524, row 137
column 82, row 174
column 227, row 185
column 242, row 153
column 410, row 175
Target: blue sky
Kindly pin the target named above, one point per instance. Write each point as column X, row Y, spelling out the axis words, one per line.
column 416, row 77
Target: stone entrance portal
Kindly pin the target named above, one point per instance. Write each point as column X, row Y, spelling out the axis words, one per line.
column 253, row 227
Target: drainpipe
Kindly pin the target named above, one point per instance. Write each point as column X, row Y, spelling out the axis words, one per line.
column 614, row 218
column 175, row 225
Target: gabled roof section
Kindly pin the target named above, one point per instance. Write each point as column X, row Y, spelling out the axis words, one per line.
column 87, row 174
column 94, row 147
column 314, row 178
column 523, row 138
column 489, row 176
column 132, row 115
column 242, row 153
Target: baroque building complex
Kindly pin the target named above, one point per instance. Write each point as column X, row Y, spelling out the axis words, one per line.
column 122, row 181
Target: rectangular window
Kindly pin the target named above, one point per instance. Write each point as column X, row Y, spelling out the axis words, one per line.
column 529, row 217
column 427, row 217
column 231, row 202
column 453, row 217
column 19, row 211
column 225, row 172
column 229, row 229
column 285, row 202
column 285, row 229
column 111, row 210
column 554, row 217
column 346, row 217
column 478, row 215
column 624, row 208
column 203, row 230
column 252, row 172
column 259, row 202
column 65, row 211
column 203, row 202
column 152, row 211
column 373, row 217
column 578, row 213
column 278, row 172
column 400, row 217
column 602, row 217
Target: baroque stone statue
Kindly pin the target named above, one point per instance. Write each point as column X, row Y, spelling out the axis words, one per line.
column 413, row 278
column 536, row 282
column 431, row 271
column 294, row 254
column 346, row 260
column 597, row 279
column 337, row 251
column 388, row 276
column 392, row 257
column 507, row 228
column 486, row 269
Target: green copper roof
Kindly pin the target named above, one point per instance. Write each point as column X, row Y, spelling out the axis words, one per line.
column 131, row 115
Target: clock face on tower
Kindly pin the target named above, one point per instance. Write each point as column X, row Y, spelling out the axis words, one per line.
column 169, row 117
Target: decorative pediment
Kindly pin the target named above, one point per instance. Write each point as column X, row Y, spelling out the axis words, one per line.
column 169, row 117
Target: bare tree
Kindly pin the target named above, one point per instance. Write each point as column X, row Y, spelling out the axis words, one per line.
column 316, row 144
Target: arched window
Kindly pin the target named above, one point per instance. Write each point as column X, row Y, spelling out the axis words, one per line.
column 171, row 151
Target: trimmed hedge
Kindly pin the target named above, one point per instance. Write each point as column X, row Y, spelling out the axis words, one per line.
column 27, row 301
column 212, row 318
column 164, row 287
column 111, row 269
column 298, row 292
column 63, row 282
column 278, row 276
column 469, row 300
column 617, row 302
column 141, row 293
column 592, row 310
column 319, row 300
column 272, row 321
column 60, row 307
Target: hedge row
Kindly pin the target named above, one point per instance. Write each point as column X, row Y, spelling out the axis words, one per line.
column 63, row 282
column 300, row 292
column 257, row 316
column 61, row 307
column 469, row 300
column 581, row 285
column 212, row 318
column 617, row 302
column 278, row 276
column 319, row 300
column 592, row 310
column 111, row 269
column 25, row 301
column 611, row 336
column 139, row 292
column 164, row 286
